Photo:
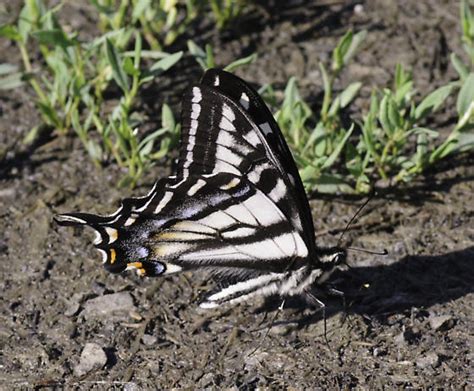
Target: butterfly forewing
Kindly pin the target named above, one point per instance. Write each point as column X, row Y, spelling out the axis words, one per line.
column 218, row 135
column 277, row 149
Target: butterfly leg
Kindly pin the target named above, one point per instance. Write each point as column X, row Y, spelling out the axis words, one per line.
column 277, row 312
column 322, row 307
column 338, row 293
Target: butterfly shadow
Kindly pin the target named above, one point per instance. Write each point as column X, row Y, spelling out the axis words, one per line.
column 415, row 281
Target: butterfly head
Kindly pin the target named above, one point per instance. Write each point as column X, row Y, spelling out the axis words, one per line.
column 332, row 256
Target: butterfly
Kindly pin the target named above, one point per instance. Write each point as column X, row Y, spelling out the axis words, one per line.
column 235, row 207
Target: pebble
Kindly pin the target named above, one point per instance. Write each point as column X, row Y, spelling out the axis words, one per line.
column 130, row 386
column 72, row 309
column 93, row 358
column 115, row 306
column 428, row 360
column 379, row 352
column 400, row 339
column 442, row 321
column 73, row 304
column 148, row 339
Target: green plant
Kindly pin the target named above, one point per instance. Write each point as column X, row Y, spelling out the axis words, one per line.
column 317, row 143
column 393, row 142
column 70, row 86
column 205, row 57
column 226, row 10
column 162, row 22
column 394, row 120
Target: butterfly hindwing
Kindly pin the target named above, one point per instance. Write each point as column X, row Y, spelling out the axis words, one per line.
column 219, row 220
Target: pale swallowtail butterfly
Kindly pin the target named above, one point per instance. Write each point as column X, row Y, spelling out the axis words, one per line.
column 235, row 207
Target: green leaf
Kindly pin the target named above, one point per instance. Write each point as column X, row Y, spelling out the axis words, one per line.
column 161, row 66
column 421, row 157
column 466, row 95
column 356, row 43
column 316, row 139
column 129, row 68
column 443, row 150
column 117, row 71
column 419, row 130
column 166, row 63
column 332, row 183
column 195, row 50
column 384, row 115
column 337, row 151
column 349, row 93
column 109, row 11
column 94, row 150
column 6, row 68
column 402, row 77
column 138, row 51
column 341, row 50
column 210, row 63
column 433, row 101
column 465, row 141
column 10, row 32
column 11, row 81
column 55, row 37
column 240, row 62
column 404, row 92
column 114, row 35
column 167, row 118
column 198, row 54
column 139, row 9
column 29, row 14
column 348, row 45
column 467, row 20
column 393, row 114
column 460, row 67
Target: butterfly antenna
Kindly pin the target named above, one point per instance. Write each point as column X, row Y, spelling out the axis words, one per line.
column 363, row 250
column 356, row 214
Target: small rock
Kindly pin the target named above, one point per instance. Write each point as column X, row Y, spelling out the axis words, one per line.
column 98, row 288
column 130, row 386
column 400, row 339
column 72, row 309
column 283, row 329
column 93, row 358
column 428, row 360
column 441, row 322
column 206, row 380
column 379, row 352
column 148, row 339
column 73, row 304
column 114, row 306
column 255, row 358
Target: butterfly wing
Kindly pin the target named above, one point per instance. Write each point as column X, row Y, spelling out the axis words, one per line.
column 221, row 135
column 242, row 93
column 218, row 220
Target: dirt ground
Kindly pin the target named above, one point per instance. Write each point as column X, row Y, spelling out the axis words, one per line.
column 407, row 318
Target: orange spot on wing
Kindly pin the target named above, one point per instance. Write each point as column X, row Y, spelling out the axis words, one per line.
column 113, row 256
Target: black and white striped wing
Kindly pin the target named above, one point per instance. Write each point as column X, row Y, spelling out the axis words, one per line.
column 222, row 135
column 221, row 222
column 249, row 100
column 233, row 206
